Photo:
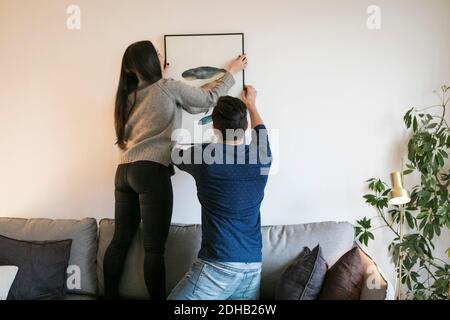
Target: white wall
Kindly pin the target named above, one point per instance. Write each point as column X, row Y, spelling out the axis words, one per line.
column 335, row 90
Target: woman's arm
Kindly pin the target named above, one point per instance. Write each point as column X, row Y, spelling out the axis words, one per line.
column 196, row 110
column 195, row 99
column 192, row 98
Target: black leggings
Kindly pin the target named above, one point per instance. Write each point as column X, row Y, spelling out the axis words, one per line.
column 143, row 190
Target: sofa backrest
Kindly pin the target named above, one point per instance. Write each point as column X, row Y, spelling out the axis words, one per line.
column 182, row 247
column 84, row 244
column 281, row 245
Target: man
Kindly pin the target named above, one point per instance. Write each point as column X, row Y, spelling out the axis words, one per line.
column 230, row 178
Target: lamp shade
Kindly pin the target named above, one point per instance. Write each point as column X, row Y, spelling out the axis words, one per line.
column 398, row 195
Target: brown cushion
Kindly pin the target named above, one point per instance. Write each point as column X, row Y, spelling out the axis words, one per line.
column 345, row 278
column 374, row 284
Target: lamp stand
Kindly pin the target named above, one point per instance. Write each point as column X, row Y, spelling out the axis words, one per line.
column 398, row 287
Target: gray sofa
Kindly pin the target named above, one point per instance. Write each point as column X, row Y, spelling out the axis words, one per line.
column 281, row 245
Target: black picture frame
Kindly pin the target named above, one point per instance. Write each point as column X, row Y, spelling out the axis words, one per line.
column 207, row 34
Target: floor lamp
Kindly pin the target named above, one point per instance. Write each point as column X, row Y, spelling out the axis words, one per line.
column 399, row 197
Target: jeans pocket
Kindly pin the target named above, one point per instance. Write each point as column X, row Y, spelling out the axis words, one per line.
column 214, row 283
column 252, row 286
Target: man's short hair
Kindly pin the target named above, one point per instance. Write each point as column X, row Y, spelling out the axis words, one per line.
column 230, row 115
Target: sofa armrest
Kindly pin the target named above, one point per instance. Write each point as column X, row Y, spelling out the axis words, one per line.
column 376, row 286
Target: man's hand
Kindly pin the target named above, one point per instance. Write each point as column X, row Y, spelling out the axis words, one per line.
column 249, row 97
column 237, row 65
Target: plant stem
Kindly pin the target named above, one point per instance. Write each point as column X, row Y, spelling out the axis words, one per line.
column 440, row 125
column 443, row 115
column 387, row 223
column 429, row 271
column 426, row 108
column 379, row 227
column 444, row 104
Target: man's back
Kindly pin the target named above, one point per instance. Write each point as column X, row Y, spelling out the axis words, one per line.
column 230, row 183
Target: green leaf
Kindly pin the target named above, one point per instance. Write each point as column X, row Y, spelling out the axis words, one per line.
column 380, row 187
column 437, row 229
column 415, row 124
column 409, row 219
column 407, row 118
column 422, row 225
column 364, row 237
column 440, row 159
column 365, row 223
column 422, row 214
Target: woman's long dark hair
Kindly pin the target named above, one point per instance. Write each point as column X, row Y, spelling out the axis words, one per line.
column 140, row 60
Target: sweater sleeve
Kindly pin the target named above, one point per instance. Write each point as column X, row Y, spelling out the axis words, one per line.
column 194, row 99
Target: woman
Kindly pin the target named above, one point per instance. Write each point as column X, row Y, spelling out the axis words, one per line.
column 147, row 110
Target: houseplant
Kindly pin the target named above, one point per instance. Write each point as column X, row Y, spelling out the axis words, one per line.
column 428, row 214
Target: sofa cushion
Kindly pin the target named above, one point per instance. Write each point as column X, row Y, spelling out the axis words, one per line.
column 303, row 279
column 344, row 280
column 375, row 286
column 182, row 247
column 281, row 245
column 82, row 276
column 42, row 267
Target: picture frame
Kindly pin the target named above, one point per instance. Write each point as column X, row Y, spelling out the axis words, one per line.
column 198, row 59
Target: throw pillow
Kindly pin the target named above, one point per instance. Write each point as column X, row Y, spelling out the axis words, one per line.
column 42, row 267
column 345, row 278
column 303, row 279
column 7, row 276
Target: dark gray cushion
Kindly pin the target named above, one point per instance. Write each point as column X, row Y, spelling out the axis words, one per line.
column 42, row 267
column 82, row 262
column 303, row 279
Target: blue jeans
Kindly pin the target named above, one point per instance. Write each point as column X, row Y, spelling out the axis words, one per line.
column 208, row 280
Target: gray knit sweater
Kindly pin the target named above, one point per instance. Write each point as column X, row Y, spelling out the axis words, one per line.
column 157, row 112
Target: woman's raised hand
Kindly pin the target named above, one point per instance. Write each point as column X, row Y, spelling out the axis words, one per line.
column 237, row 65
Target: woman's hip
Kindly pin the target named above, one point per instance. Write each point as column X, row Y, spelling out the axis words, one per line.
column 144, row 177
